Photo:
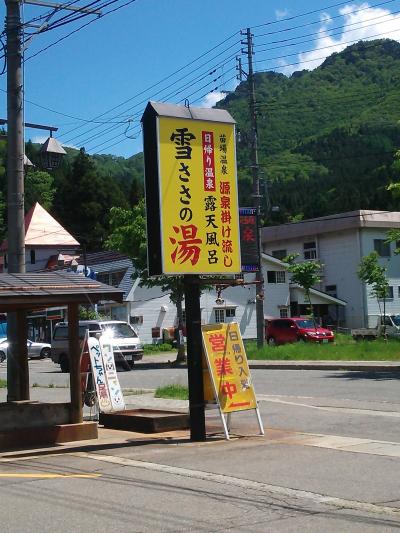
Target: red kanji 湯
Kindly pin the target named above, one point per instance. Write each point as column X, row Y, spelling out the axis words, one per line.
column 187, row 248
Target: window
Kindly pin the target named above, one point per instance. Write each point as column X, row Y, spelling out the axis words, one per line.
column 278, row 276
column 310, row 250
column 33, row 257
column 389, row 294
column 111, row 278
column 382, row 247
column 283, row 313
column 222, row 314
column 136, row 320
column 219, row 316
column 332, row 290
column 279, row 254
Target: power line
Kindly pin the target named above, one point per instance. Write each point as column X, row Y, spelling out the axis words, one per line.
column 316, row 34
column 291, row 28
column 328, row 46
column 80, row 28
column 172, row 84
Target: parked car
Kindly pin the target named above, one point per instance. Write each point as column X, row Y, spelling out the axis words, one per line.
column 126, row 343
column 388, row 325
column 283, row 330
column 36, row 350
column 3, row 349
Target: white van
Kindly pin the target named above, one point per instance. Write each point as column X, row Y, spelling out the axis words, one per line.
column 126, row 343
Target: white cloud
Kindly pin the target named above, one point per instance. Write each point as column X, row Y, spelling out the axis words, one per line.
column 212, row 98
column 281, row 13
column 41, row 139
column 370, row 23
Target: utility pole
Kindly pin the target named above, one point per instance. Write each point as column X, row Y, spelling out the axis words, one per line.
column 15, row 184
column 256, row 186
column 17, row 360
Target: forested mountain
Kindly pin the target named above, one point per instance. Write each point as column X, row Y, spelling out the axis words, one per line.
column 327, row 143
column 327, row 137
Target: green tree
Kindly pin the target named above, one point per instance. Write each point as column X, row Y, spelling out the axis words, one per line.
column 374, row 275
column 39, row 187
column 128, row 236
column 306, row 274
column 84, row 200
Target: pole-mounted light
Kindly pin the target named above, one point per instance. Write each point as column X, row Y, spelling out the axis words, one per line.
column 51, row 153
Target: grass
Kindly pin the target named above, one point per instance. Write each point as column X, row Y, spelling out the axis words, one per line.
column 155, row 348
column 3, row 383
column 174, row 392
column 343, row 349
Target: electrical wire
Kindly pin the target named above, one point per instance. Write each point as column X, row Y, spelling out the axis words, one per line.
column 304, row 14
column 167, row 78
column 80, row 28
column 329, row 34
column 335, row 45
column 291, row 28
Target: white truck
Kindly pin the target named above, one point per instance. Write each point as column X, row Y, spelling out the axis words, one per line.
column 127, row 345
column 389, row 325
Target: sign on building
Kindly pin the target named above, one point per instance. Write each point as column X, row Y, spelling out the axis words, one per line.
column 249, row 242
column 229, row 370
column 191, row 190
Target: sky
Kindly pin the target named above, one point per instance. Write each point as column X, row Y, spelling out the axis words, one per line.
column 94, row 84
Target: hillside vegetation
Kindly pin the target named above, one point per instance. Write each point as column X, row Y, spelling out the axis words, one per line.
column 327, row 143
column 327, row 137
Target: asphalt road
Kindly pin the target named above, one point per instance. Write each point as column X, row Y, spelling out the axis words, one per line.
column 330, row 461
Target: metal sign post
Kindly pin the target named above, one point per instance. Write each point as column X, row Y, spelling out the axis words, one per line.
column 194, row 362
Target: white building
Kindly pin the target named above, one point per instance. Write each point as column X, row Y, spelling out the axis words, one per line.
column 151, row 311
column 339, row 242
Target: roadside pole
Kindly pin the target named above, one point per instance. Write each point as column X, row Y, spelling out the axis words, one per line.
column 194, row 359
column 256, row 187
column 15, row 185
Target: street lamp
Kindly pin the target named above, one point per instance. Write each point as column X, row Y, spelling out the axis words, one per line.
column 51, row 153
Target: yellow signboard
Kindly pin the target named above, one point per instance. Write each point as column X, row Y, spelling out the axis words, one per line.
column 228, row 367
column 198, row 197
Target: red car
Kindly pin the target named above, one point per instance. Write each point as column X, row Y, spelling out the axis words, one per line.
column 283, row 330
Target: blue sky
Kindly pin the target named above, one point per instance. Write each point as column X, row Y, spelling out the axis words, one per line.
column 95, row 83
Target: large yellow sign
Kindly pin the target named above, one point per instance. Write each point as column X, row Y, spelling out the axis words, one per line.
column 198, row 197
column 228, row 367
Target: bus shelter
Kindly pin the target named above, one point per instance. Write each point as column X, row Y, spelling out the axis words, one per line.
column 22, row 421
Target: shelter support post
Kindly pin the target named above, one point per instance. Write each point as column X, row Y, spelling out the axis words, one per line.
column 194, row 363
column 13, row 373
column 22, row 332
column 75, row 364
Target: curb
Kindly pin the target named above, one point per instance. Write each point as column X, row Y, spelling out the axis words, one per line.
column 354, row 366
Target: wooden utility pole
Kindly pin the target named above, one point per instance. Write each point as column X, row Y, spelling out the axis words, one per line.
column 256, row 187
column 15, row 186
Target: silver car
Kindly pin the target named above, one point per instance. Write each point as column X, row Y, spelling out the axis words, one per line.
column 36, row 350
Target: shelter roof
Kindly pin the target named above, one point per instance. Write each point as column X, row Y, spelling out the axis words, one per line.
column 46, row 289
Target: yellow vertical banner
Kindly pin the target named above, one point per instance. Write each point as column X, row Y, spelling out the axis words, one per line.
column 228, row 367
column 198, row 197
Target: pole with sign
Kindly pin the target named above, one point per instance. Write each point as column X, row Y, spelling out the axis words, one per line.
column 192, row 212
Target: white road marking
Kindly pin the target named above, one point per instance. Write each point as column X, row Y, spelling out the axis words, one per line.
column 247, row 484
column 274, row 399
